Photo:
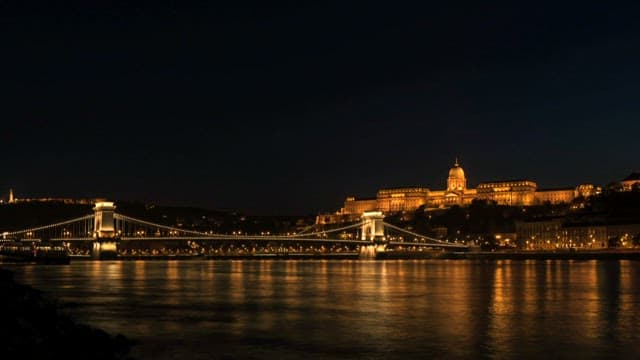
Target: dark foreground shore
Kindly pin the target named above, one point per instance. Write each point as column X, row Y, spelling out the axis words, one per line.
column 33, row 327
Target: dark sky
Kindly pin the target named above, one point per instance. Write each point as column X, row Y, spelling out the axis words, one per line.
column 281, row 108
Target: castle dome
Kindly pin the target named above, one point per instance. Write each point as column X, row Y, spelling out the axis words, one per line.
column 456, row 171
column 456, row 180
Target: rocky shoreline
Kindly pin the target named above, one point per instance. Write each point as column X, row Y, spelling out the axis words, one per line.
column 33, row 326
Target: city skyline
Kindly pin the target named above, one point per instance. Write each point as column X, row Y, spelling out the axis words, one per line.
column 578, row 188
column 282, row 109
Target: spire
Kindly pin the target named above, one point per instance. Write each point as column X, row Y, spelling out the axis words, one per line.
column 456, row 164
column 11, row 199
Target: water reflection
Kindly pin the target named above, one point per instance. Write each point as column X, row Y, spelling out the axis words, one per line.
column 357, row 309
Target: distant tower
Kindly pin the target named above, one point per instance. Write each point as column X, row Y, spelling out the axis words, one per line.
column 11, row 199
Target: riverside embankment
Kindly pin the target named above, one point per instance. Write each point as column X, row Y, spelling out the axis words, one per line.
column 627, row 254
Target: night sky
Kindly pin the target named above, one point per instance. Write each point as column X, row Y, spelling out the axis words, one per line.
column 282, row 108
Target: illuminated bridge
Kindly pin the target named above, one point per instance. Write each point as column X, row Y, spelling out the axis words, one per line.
column 106, row 233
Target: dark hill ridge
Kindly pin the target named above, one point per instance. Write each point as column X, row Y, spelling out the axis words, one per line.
column 24, row 215
column 29, row 214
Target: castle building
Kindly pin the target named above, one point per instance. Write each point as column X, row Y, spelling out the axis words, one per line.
column 521, row 192
column 456, row 192
column 510, row 192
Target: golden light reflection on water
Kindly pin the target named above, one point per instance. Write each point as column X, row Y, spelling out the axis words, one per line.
column 139, row 269
column 503, row 309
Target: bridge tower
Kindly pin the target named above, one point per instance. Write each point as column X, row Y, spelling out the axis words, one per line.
column 105, row 243
column 372, row 230
column 372, row 226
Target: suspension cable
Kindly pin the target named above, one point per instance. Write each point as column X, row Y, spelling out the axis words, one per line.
column 306, row 229
column 328, row 231
column 414, row 234
column 170, row 228
column 44, row 227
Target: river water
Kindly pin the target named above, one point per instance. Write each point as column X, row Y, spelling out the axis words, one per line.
column 338, row 309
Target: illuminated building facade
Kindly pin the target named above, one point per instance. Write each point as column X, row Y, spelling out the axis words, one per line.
column 511, row 192
column 353, row 206
column 586, row 190
column 401, row 199
column 506, row 192
column 556, row 233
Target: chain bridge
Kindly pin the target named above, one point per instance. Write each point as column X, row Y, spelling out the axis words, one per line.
column 108, row 234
